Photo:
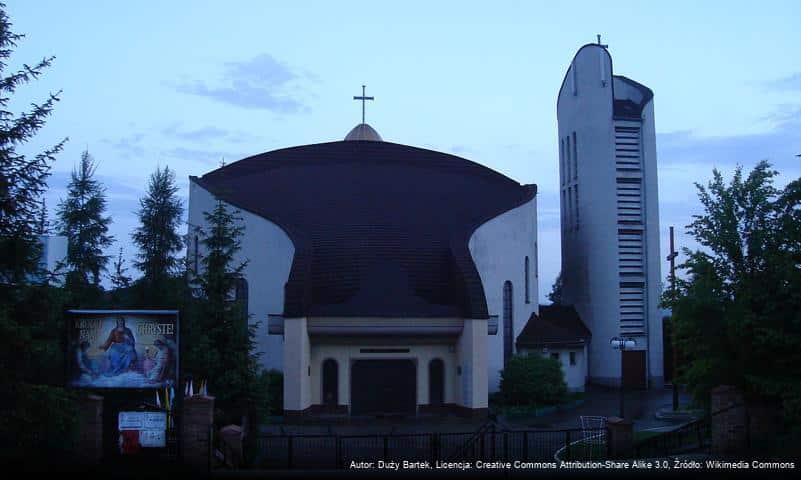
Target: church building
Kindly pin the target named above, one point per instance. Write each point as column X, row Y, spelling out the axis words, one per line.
column 388, row 278
column 391, row 279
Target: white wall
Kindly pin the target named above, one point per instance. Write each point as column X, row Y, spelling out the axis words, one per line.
column 499, row 248
column 575, row 375
column 269, row 253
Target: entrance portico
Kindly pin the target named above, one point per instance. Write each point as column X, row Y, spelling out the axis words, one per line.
column 377, row 366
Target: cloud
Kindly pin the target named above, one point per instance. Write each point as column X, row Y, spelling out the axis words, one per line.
column 207, row 134
column 129, row 147
column 211, row 157
column 259, row 83
column 790, row 83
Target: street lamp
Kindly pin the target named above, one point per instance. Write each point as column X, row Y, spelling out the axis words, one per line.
column 622, row 344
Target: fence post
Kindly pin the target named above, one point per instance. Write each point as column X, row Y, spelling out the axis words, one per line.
column 525, row 444
column 567, row 445
column 506, row 446
column 289, row 451
column 386, row 448
column 492, row 449
column 339, row 452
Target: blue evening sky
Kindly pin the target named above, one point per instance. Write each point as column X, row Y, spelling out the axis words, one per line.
column 186, row 83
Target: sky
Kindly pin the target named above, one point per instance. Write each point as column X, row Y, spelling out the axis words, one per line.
column 189, row 83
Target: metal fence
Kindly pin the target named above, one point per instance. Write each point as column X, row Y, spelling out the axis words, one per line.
column 488, row 444
column 690, row 437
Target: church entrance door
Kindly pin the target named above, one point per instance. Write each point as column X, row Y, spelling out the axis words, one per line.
column 379, row 387
column 634, row 370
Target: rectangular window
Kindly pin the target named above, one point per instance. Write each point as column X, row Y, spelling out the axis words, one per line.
column 196, row 255
column 536, row 262
column 570, row 208
column 572, row 358
column 562, row 178
column 573, row 71
column 575, row 157
column 555, row 355
column 567, row 160
column 576, row 206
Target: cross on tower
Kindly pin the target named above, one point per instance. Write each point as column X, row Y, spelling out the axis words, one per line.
column 599, row 42
column 363, row 98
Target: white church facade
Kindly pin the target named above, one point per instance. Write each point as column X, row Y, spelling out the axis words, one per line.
column 393, row 279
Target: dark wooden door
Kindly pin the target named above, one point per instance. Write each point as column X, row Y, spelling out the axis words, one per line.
column 634, row 370
column 383, row 387
column 436, row 382
column 330, row 383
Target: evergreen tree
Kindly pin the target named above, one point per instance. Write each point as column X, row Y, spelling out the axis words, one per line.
column 34, row 414
column 556, row 291
column 23, row 179
column 157, row 235
column 81, row 219
column 219, row 336
column 120, row 281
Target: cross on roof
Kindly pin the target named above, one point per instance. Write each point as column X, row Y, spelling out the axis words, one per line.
column 599, row 42
column 363, row 98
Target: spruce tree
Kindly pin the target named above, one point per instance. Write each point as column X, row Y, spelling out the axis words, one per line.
column 34, row 415
column 157, row 235
column 23, row 179
column 81, row 218
column 220, row 337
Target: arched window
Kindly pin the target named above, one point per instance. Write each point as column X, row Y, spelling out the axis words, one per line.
column 526, row 281
column 436, row 382
column 508, row 330
column 330, row 383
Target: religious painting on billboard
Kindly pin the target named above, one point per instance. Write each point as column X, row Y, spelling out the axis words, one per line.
column 122, row 348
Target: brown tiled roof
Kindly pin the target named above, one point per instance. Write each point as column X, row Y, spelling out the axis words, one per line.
column 555, row 325
column 379, row 229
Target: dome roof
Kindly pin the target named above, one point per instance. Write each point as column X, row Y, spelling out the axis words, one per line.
column 379, row 229
column 363, row 131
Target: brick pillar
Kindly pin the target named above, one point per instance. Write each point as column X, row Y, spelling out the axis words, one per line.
column 728, row 428
column 621, row 437
column 765, row 419
column 231, row 436
column 198, row 418
column 89, row 445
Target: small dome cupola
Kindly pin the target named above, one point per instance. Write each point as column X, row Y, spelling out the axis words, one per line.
column 363, row 131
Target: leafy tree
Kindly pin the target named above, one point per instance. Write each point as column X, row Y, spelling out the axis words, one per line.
column 533, row 380
column 157, row 235
column 81, row 218
column 219, row 338
column 556, row 291
column 737, row 313
column 33, row 412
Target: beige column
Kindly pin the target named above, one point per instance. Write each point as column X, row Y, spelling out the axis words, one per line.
column 472, row 357
column 297, row 363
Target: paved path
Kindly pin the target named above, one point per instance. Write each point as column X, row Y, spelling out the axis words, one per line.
column 641, row 406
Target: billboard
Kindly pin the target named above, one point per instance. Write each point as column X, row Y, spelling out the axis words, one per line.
column 122, row 348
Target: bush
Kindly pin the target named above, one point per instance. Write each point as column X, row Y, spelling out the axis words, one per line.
column 533, row 380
